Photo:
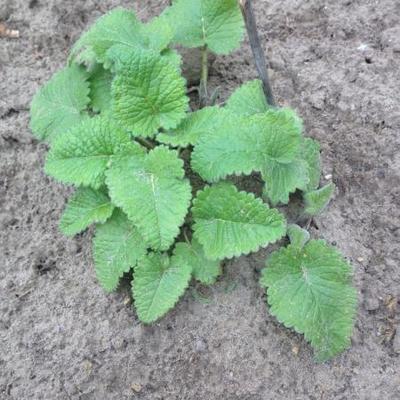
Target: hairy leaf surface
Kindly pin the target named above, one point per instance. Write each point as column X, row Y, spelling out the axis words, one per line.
column 229, row 223
column 310, row 152
column 158, row 283
column 117, row 247
column 310, row 291
column 84, row 208
column 317, row 200
column 100, row 88
column 298, row 236
column 60, row 103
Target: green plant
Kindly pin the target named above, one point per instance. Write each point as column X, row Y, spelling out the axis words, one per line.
column 120, row 129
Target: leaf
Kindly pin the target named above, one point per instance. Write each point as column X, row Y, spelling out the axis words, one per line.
column 215, row 24
column 317, row 200
column 310, row 152
column 310, row 291
column 228, row 223
column 248, row 144
column 100, row 88
column 204, row 270
column 194, row 126
column 298, row 236
column 84, row 208
column 148, row 93
column 152, row 192
column 82, row 156
column 158, row 284
column 117, row 247
column 60, row 103
column 249, row 99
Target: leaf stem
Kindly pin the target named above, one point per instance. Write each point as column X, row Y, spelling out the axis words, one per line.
column 146, row 143
column 203, row 91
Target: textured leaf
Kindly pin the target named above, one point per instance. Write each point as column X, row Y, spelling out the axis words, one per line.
column 196, row 125
column 82, row 156
column 310, row 152
column 310, row 291
column 204, row 270
column 249, row 99
column 317, row 200
column 174, row 58
column 84, row 208
column 152, row 192
column 60, row 103
column 117, row 247
column 100, row 88
column 158, row 284
column 298, row 236
column 148, row 93
column 247, row 144
column 229, row 223
column 215, row 24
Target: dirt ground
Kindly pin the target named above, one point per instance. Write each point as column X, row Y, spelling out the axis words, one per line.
column 62, row 337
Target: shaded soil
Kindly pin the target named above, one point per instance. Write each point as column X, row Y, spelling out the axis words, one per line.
column 62, row 337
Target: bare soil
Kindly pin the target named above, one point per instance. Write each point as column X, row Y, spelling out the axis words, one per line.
column 62, row 337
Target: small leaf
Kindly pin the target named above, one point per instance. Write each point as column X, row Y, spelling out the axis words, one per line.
column 117, row 247
column 310, row 291
column 60, row 103
column 317, row 200
column 148, row 93
column 204, row 270
column 84, row 208
column 229, row 223
column 310, row 152
column 100, row 88
column 82, row 156
column 298, row 236
column 249, row 99
column 158, row 283
column 215, row 24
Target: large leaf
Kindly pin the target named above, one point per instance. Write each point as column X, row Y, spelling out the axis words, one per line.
column 153, row 193
column 60, row 103
column 82, row 156
column 316, row 200
column 117, row 247
column 148, row 93
column 229, row 223
column 158, row 283
column 215, row 24
column 310, row 291
column 84, row 208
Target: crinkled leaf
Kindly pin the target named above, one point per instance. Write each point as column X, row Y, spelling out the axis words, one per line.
column 152, row 192
column 229, row 223
column 310, row 152
column 148, row 93
column 158, row 283
column 249, row 99
column 81, row 156
column 298, row 236
column 310, row 291
column 246, row 144
column 84, row 208
column 204, row 270
column 100, row 88
column 117, row 247
column 317, row 200
column 60, row 103
column 174, row 58
column 215, row 24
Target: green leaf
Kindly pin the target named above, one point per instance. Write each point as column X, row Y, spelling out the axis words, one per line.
column 310, row 152
column 310, row 291
column 298, row 236
column 100, row 88
column 317, row 200
column 85, row 207
column 196, row 125
column 215, row 24
column 158, row 283
column 148, row 93
column 229, row 223
column 82, row 156
column 117, row 247
column 247, row 144
column 204, row 270
column 152, row 192
column 249, row 99
column 60, row 103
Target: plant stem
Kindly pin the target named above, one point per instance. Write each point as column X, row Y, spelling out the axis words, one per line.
column 203, row 91
column 146, row 143
column 258, row 52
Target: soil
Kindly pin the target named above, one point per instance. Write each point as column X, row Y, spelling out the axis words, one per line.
column 62, row 337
